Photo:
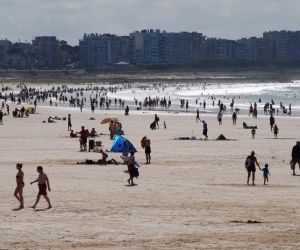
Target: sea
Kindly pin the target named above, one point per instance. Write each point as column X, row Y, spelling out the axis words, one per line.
column 243, row 94
column 196, row 93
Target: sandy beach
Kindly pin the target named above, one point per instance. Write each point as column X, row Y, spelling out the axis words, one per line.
column 193, row 195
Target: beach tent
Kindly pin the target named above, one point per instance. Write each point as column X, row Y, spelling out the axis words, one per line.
column 120, row 143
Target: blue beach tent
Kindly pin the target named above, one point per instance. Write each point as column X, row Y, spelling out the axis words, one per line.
column 120, row 144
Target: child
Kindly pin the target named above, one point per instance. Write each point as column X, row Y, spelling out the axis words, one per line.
column 266, row 173
column 43, row 183
column 165, row 125
column 253, row 132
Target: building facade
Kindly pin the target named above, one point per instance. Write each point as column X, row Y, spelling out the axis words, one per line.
column 47, row 52
column 104, row 51
column 5, row 46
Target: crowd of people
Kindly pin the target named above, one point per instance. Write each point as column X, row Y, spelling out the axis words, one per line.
column 76, row 97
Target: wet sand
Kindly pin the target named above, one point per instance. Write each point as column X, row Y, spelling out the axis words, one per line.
column 193, row 195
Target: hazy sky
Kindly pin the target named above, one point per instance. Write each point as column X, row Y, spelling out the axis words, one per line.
column 69, row 19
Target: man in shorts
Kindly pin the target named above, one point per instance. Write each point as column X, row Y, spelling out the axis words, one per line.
column 251, row 168
column 146, row 144
column 43, row 183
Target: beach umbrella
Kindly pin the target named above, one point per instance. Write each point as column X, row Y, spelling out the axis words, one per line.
column 109, row 119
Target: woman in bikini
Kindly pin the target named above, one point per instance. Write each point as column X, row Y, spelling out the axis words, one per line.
column 20, row 185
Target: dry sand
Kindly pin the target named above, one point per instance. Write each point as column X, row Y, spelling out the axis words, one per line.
column 187, row 198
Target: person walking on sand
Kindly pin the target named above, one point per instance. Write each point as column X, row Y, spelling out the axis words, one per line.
column 1, row 116
column 205, row 130
column 69, row 122
column 219, row 117
column 165, row 125
column 20, row 185
column 146, row 144
column 132, row 170
column 250, row 109
column 198, row 115
column 266, row 173
column 251, row 162
column 253, row 132
column 156, row 120
column 276, row 131
column 83, row 139
column 234, row 118
column 272, row 122
column 43, row 184
column 295, row 157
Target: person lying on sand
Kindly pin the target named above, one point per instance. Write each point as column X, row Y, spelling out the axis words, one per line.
column 98, row 162
column 245, row 126
column 102, row 161
column 72, row 134
column 50, row 120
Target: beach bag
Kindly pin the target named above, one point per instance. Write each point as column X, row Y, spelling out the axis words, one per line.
column 292, row 164
column 247, row 163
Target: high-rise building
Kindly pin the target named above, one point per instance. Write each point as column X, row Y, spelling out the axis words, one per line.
column 103, row 51
column 220, row 49
column 253, row 50
column 148, row 46
column 22, row 56
column 47, row 52
column 5, row 46
column 156, row 47
column 183, row 48
column 285, row 45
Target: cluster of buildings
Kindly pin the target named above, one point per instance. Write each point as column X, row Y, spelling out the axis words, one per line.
column 45, row 52
column 149, row 47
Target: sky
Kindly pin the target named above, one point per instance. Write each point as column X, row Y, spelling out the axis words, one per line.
column 70, row 19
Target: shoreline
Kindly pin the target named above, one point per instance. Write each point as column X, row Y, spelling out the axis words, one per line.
column 264, row 74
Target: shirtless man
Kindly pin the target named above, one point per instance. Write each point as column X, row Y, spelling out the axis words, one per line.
column 20, row 185
column 43, row 183
column 146, row 144
column 251, row 167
